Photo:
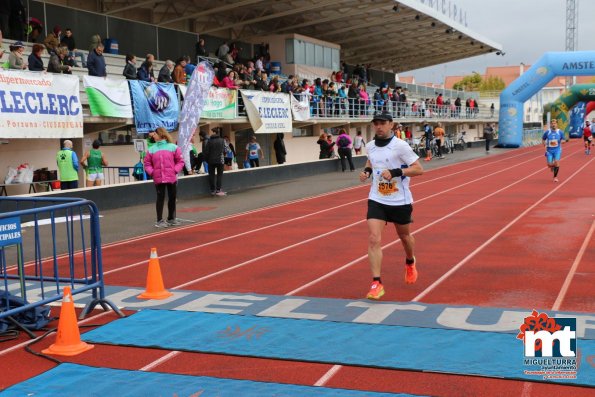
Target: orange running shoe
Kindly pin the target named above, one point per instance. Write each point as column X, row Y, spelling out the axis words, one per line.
column 410, row 273
column 376, row 291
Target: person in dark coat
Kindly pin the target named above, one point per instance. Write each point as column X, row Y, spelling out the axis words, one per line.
column 96, row 62
column 214, row 153
column 280, row 151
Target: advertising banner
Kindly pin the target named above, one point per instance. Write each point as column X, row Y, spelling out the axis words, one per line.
column 221, row 104
column 155, row 105
column 194, row 101
column 268, row 112
column 108, row 97
column 300, row 108
column 39, row 105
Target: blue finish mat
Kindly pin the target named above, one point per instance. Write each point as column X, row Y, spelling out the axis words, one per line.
column 79, row 380
column 419, row 349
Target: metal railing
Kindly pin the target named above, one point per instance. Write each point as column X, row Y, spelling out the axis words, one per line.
column 532, row 136
column 61, row 247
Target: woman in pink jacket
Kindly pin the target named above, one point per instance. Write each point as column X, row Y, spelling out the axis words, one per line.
column 164, row 162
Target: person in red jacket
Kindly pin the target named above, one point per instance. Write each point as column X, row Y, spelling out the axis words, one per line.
column 587, row 137
column 164, row 162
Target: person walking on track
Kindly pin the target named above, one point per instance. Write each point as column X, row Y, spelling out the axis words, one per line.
column 391, row 163
column 552, row 140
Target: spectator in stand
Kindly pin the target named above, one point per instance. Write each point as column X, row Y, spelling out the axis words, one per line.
column 164, row 75
column 274, row 85
column 34, row 29
column 353, row 97
column 130, row 68
column 17, row 20
column 254, row 152
column 201, row 50
column 68, row 166
column 95, row 41
column 145, row 72
column 261, row 82
column 223, row 51
column 57, row 63
column 189, row 68
column 52, row 40
column 326, row 149
column 458, row 107
column 68, row 41
column 279, row 146
column 15, row 58
column 234, row 53
column 214, row 156
column 164, row 162
column 96, row 62
column 229, row 81
column 35, row 61
column 179, row 74
column 5, row 18
column 259, row 65
column 345, row 146
column 364, row 99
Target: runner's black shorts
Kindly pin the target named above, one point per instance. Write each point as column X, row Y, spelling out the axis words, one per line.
column 399, row 214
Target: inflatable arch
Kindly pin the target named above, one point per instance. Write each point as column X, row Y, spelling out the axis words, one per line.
column 570, row 109
column 590, row 108
column 550, row 65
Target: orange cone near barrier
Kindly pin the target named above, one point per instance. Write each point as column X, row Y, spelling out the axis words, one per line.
column 155, row 288
column 68, row 338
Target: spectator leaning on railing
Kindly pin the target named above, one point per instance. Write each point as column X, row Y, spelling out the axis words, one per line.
column 15, row 58
column 35, row 61
column 57, row 59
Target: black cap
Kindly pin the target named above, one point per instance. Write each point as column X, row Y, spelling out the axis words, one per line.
column 386, row 116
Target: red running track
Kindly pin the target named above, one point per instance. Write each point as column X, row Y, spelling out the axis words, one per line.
column 491, row 232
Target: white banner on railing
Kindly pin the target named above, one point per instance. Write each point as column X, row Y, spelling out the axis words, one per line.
column 300, row 108
column 268, row 112
column 108, row 97
column 40, row 105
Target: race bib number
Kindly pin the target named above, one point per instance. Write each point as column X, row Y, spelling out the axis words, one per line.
column 553, row 143
column 387, row 188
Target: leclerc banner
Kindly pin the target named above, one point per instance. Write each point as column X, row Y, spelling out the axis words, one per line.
column 39, row 105
column 268, row 112
column 155, row 105
column 108, row 97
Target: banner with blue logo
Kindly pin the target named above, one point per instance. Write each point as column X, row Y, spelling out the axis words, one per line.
column 155, row 105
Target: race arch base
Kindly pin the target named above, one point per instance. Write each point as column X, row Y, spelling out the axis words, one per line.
column 550, row 65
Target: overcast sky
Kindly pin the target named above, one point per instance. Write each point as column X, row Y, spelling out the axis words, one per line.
column 524, row 28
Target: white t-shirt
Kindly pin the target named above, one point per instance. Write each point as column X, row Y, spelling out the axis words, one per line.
column 358, row 141
column 397, row 154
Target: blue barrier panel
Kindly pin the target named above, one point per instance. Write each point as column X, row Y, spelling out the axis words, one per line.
column 46, row 244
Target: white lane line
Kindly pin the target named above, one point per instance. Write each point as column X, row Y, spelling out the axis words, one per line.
column 494, row 237
column 572, row 272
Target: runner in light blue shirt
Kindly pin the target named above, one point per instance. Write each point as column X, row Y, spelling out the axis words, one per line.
column 552, row 140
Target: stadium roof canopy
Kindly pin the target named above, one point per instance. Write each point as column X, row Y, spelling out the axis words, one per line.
column 394, row 35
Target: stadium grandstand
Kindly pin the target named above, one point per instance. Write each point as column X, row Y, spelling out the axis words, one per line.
column 303, row 45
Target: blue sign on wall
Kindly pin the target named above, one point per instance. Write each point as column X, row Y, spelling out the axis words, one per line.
column 10, row 231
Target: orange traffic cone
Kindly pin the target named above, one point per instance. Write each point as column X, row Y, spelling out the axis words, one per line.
column 155, row 288
column 68, row 338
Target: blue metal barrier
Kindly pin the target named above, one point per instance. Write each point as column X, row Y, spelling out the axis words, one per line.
column 46, row 244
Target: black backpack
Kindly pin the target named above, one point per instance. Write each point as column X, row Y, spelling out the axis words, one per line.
column 343, row 141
